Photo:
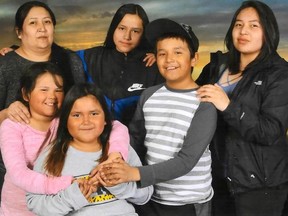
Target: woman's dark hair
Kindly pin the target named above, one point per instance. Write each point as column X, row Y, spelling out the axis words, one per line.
column 120, row 13
column 56, row 158
column 30, row 76
column 61, row 57
column 24, row 9
column 270, row 31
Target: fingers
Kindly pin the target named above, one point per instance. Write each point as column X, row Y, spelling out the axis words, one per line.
column 5, row 50
column 109, row 176
column 95, row 171
column 94, row 180
column 204, row 92
column 149, row 59
column 19, row 116
column 102, row 182
column 2, row 52
column 209, row 90
column 118, row 160
column 214, row 94
column 18, row 112
column 110, row 168
column 150, row 62
column 108, row 181
column 95, row 175
column 86, row 188
column 118, row 172
column 112, row 156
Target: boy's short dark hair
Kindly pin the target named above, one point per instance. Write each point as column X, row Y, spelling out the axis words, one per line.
column 166, row 27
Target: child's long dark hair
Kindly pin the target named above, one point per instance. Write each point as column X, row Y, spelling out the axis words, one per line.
column 56, row 158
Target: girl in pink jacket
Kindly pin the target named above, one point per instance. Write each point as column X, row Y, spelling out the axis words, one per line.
column 42, row 92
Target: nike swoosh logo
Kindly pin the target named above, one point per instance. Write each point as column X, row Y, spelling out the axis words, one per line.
column 135, row 87
column 259, row 82
column 131, row 89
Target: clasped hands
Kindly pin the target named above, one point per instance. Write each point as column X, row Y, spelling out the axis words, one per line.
column 114, row 172
column 108, row 174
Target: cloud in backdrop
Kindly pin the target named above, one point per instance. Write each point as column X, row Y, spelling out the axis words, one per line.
column 83, row 24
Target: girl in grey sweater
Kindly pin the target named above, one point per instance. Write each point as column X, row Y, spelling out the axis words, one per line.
column 80, row 145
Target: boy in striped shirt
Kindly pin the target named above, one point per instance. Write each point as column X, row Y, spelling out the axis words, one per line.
column 171, row 131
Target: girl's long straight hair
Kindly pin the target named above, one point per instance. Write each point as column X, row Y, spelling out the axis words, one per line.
column 134, row 9
column 56, row 157
column 270, row 39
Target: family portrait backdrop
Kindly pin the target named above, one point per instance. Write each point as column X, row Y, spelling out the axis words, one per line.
column 83, row 24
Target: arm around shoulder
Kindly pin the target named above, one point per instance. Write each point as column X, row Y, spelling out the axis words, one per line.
column 13, row 154
column 119, row 139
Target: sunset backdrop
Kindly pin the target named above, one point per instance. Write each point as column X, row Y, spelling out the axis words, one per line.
column 83, row 24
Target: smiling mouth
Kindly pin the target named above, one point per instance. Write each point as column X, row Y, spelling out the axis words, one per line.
column 51, row 104
column 171, row 68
